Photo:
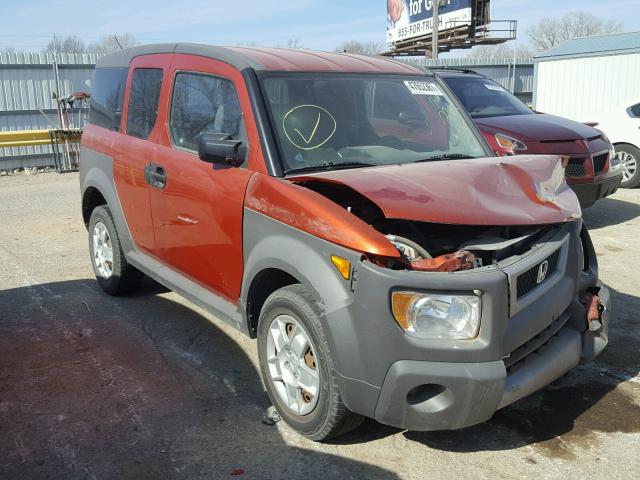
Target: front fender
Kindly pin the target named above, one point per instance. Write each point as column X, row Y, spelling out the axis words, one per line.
column 270, row 244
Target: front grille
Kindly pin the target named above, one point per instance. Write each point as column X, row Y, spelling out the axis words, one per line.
column 599, row 161
column 528, row 349
column 575, row 168
column 528, row 280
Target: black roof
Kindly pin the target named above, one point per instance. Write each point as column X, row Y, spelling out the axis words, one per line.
column 259, row 58
column 123, row 58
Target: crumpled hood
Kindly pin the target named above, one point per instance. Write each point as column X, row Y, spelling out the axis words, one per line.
column 518, row 190
column 538, row 127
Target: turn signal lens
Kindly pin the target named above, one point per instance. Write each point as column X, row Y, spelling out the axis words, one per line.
column 510, row 143
column 343, row 265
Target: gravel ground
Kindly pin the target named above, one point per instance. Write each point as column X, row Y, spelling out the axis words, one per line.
column 150, row 386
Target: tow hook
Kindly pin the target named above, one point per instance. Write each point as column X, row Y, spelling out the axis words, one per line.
column 591, row 302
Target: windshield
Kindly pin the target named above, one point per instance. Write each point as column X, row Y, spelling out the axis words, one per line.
column 330, row 121
column 484, row 98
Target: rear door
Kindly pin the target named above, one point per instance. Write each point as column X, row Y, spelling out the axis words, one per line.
column 198, row 211
column 137, row 147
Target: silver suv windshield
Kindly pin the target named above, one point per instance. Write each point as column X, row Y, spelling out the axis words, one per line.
column 331, row 121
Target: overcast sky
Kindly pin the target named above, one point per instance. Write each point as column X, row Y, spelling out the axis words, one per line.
column 319, row 24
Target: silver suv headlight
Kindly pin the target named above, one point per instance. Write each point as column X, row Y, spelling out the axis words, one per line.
column 437, row 315
column 614, row 162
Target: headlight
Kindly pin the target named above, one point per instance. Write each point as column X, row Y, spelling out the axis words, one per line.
column 614, row 162
column 510, row 143
column 435, row 315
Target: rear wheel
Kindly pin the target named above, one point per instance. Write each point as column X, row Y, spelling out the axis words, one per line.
column 629, row 157
column 113, row 272
column 297, row 367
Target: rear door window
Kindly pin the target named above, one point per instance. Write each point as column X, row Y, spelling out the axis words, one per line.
column 203, row 104
column 107, row 93
column 143, row 101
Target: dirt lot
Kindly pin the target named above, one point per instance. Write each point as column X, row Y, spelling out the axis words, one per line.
column 149, row 387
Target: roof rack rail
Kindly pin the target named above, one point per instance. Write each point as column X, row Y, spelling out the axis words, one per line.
column 453, row 69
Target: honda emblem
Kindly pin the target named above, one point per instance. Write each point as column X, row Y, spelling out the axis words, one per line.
column 543, row 269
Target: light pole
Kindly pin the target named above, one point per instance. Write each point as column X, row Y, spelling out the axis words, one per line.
column 436, row 29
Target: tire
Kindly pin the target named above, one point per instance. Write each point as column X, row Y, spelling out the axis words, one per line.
column 630, row 158
column 116, row 277
column 329, row 417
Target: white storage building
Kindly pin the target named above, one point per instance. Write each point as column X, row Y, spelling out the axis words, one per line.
column 584, row 76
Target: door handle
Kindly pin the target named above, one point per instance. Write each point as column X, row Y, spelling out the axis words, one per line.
column 155, row 175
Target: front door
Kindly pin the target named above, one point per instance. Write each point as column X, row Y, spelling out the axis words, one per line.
column 198, row 209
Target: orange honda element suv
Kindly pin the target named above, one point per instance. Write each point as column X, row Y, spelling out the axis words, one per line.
column 345, row 211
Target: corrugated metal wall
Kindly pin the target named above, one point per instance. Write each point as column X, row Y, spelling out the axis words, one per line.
column 500, row 71
column 26, row 87
column 580, row 88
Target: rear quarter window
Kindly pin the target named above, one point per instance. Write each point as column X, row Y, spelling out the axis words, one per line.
column 107, row 93
column 634, row 110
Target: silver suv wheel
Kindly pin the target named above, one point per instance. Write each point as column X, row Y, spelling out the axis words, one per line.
column 102, row 250
column 629, row 165
column 292, row 364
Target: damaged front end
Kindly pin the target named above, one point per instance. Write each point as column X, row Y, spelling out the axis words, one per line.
column 517, row 217
column 484, row 265
column 479, row 213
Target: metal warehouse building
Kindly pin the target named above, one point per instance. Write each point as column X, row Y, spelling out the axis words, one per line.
column 26, row 98
column 584, row 76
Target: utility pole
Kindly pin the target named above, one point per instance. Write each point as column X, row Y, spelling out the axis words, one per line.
column 513, row 81
column 56, row 79
column 435, row 4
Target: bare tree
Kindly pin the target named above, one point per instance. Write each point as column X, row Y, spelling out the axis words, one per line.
column 295, row 43
column 549, row 32
column 113, row 43
column 69, row 44
column 361, row 48
column 502, row 51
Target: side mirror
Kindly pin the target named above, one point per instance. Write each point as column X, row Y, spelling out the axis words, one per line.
column 117, row 117
column 221, row 149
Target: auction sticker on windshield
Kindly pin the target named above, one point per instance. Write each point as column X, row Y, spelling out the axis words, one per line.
column 422, row 88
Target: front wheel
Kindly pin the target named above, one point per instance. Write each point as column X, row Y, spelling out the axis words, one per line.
column 297, row 368
column 629, row 157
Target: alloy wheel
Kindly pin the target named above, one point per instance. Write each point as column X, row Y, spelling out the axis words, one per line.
column 102, row 250
column 629, row 165
column 292, row 364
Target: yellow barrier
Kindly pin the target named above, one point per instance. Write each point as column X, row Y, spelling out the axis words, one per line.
column 24, row 138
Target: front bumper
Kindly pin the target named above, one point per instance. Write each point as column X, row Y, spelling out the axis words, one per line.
column 447, row 396
column 589, row 193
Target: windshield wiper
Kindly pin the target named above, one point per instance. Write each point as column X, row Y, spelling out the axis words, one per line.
column 329, row 166
column 446, row 156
